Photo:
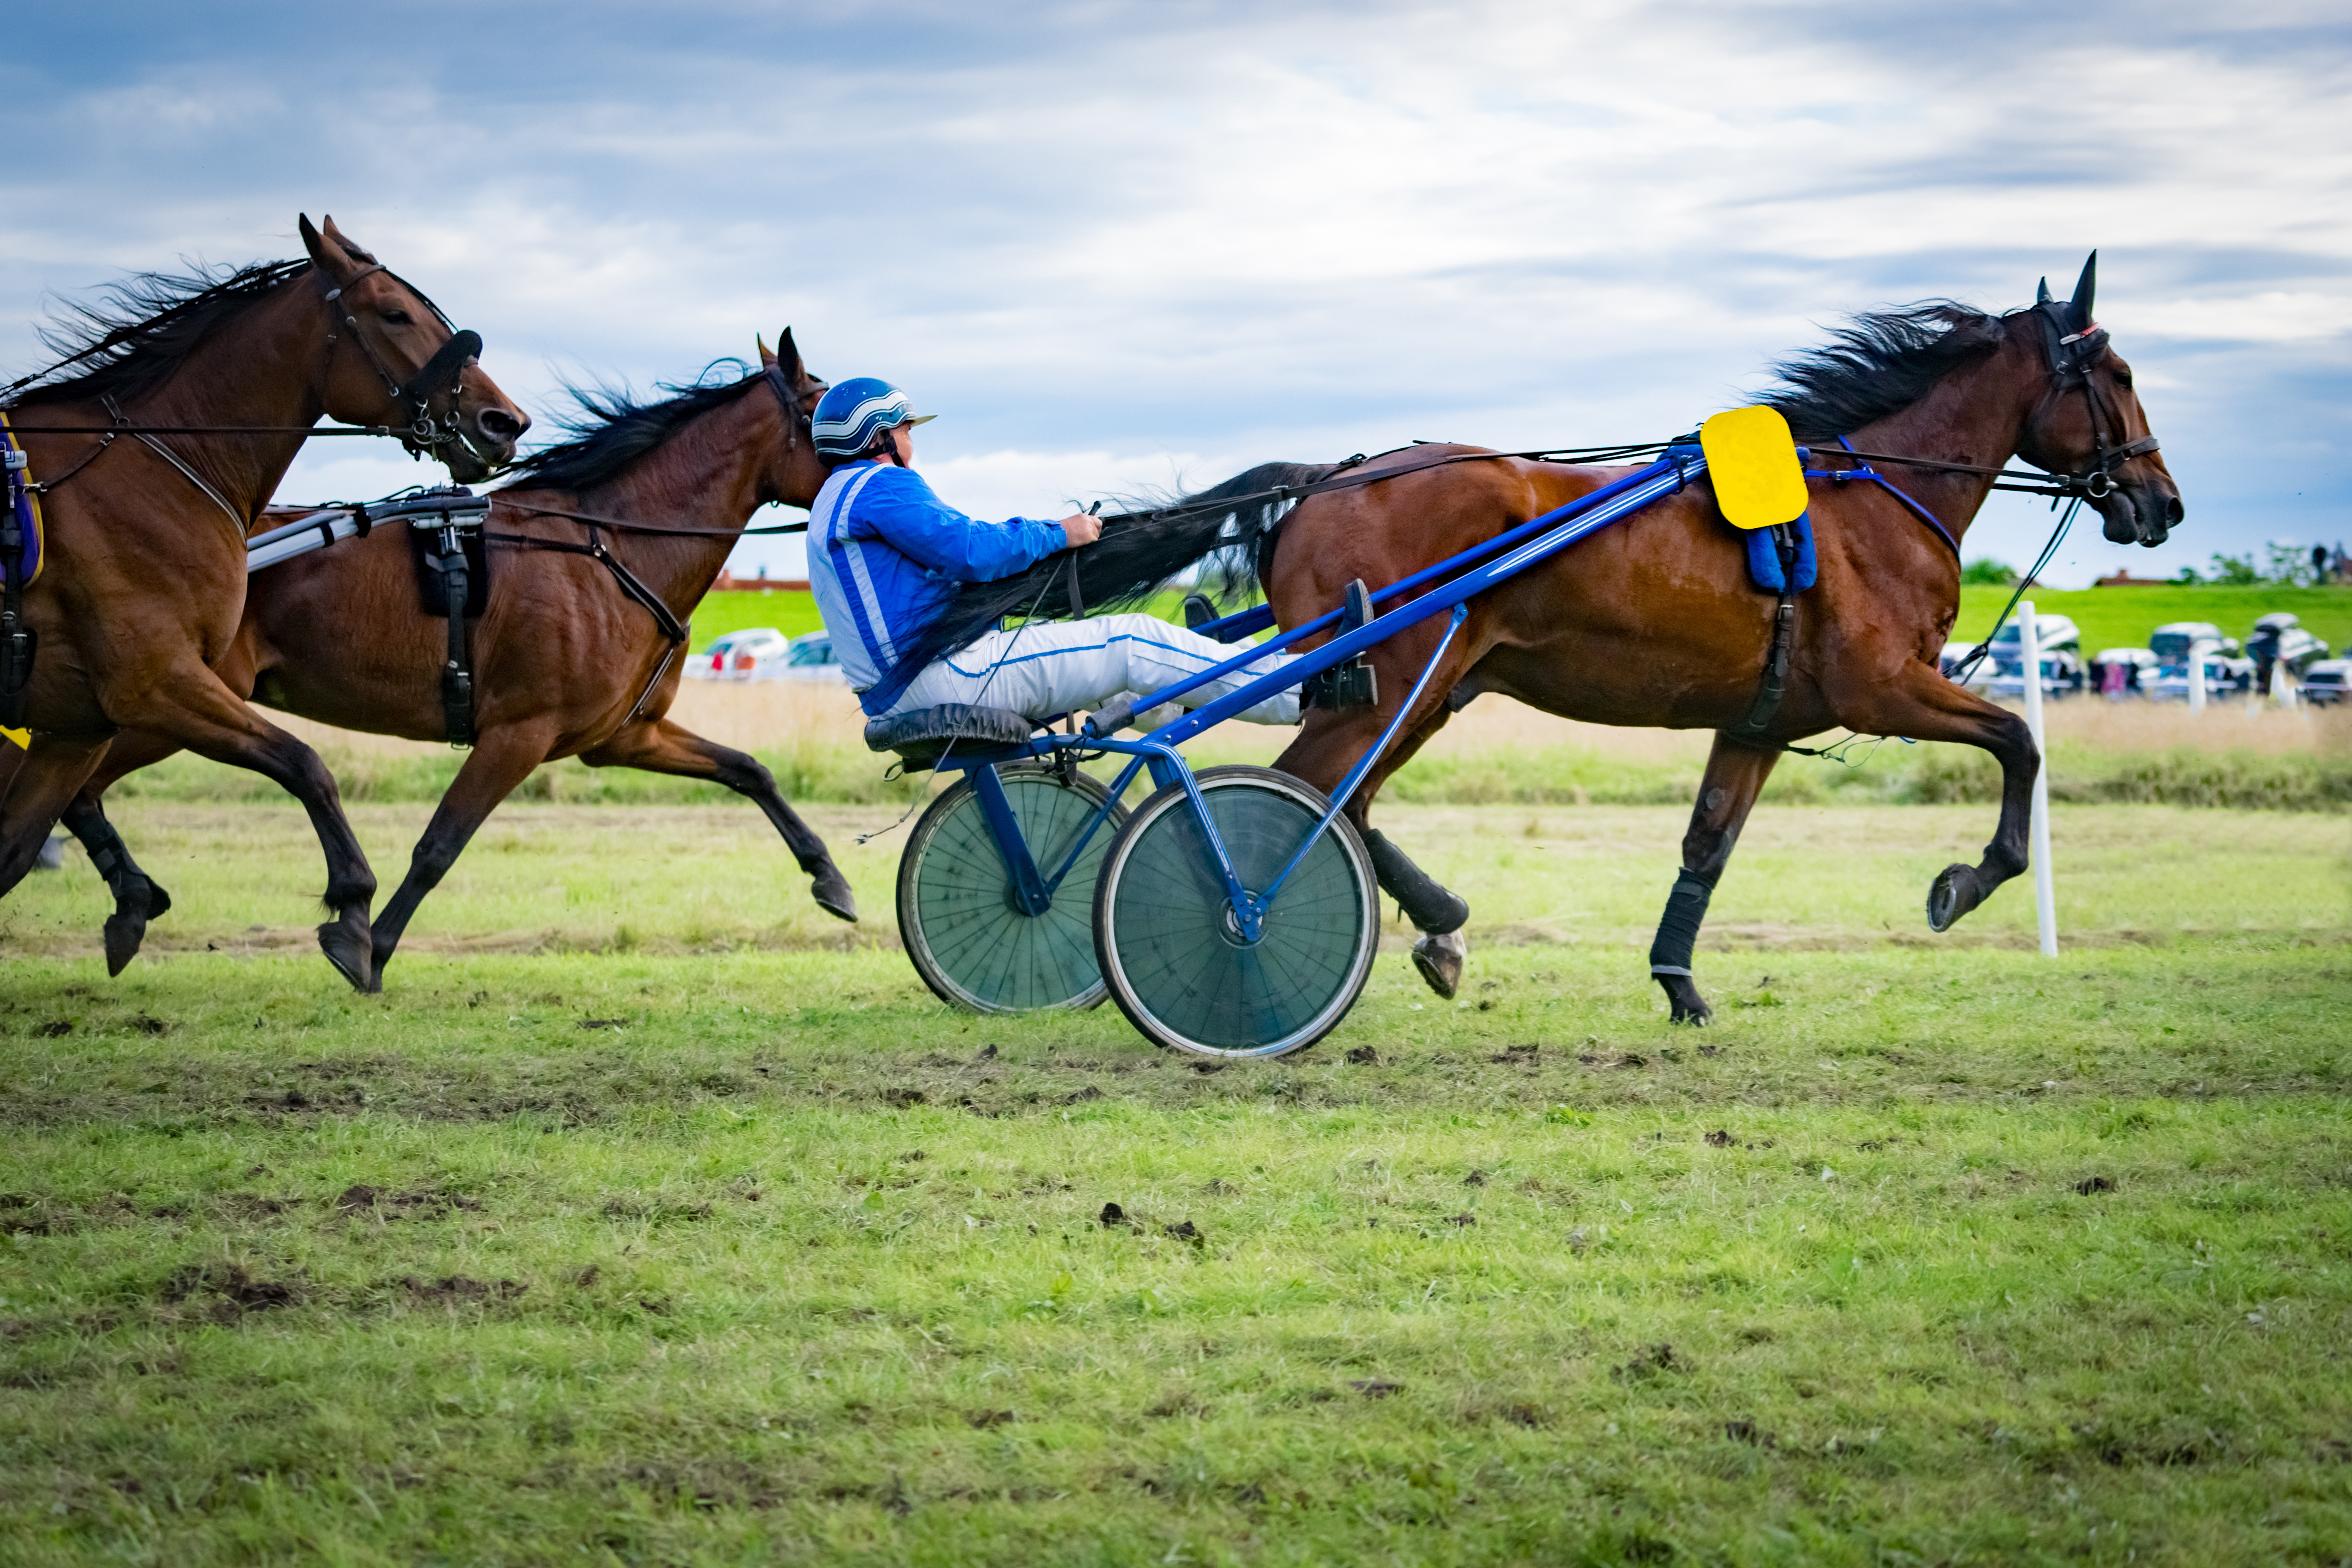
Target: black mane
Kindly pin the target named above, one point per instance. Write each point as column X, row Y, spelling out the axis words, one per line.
column 612, row 429
column 140, row 330
column 1881, row 362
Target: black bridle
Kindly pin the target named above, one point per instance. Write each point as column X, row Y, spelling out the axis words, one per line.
column 442, row 373
column 2074, row 350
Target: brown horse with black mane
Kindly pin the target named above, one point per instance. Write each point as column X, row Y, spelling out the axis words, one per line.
column 566, row 664
column 204, row 389
column 1654, row 621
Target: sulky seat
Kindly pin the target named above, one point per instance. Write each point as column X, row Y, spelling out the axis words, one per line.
column 922, row 735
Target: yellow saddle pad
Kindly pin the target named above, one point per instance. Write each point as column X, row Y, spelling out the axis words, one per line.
column 1752, row 458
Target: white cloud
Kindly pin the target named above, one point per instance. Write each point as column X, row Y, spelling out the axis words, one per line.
column 1094, row 234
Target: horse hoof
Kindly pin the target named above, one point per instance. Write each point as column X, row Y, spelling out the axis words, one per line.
column 1951, row 895
column 1439, row 956
column 353, row 957
column 831, row 891
column 1682, row 997
column 125, row 931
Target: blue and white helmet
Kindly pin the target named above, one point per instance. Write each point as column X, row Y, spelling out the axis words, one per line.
column 853, row 412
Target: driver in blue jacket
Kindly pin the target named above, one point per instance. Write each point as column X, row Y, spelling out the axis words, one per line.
column 886, row 554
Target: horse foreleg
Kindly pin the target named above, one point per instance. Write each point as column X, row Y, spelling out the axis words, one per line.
column 1735, row 776
column 663, row 746
column 501, row 759
column 1925, row 706
column 138, row 898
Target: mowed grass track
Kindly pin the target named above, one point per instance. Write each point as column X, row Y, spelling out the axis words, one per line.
column 1931, row 1251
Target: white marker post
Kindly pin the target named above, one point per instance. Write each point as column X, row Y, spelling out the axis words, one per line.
column 2045, row 896
column 2197, row 678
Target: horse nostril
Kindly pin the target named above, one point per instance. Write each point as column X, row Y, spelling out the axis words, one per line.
column 2173, row 511
column 499, row 426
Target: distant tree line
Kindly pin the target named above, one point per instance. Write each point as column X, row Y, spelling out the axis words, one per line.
column 2285, row 566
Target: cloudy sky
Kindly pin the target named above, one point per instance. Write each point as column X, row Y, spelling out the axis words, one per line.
column 1117, row 244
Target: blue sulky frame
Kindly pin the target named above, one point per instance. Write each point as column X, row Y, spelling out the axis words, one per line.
column 1503, row 556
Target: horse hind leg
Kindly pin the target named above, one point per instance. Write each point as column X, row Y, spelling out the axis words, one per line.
column 1735, row 776
column 138, row 898
column 665, row 746
column 1438, row 912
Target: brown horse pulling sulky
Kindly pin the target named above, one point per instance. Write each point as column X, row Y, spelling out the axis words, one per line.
column 569, row 659
column 1654, row 621
column 155, row 458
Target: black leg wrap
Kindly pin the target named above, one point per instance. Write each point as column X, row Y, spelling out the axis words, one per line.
column 1427, row 902
column 1670, row 954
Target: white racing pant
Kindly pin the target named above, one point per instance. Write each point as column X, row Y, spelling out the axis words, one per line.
column 1072, row 667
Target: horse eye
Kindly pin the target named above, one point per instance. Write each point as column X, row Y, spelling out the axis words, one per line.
column 2123, row 378
column 401, row 318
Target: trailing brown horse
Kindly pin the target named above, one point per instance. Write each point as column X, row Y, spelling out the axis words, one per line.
column 144, row 583
column 565, row 662
column 1654, row 621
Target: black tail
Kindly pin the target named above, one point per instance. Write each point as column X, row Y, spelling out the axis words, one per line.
column 1137, row 554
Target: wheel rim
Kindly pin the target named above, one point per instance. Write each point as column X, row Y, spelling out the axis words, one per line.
column 1179, row 956
column 963, row 932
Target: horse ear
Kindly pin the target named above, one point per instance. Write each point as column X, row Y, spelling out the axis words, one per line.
column 2041, row 292
column 350, row 247
column 2078, row 309
column 312, row 242
column 788, row 359
column 767, row 360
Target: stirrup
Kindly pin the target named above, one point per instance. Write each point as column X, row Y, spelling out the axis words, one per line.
column 1343, row 687
column 1199, row 612
column 1352, row 685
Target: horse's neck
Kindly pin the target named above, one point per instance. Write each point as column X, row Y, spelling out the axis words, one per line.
column 708, row 475
column 265, row 367
column 1975, row 416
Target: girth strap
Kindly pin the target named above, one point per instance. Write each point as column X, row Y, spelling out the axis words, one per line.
column 1775, row 682
column 458, row 674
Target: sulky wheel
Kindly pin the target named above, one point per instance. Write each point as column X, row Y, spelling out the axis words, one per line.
column 969, row 942
column 1171, row 952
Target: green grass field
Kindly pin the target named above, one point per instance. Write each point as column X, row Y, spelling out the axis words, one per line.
column 2109, row 617
column 651, row 1217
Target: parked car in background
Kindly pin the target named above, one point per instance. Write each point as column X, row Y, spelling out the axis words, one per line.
column 2279, row 638
column 2327, row 682
column 2173, row 643
column 2117, row 672
column 2059, row 644
column 811, row 658
column 753, row 654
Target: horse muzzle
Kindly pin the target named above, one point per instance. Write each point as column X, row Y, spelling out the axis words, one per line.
column 2144, row 514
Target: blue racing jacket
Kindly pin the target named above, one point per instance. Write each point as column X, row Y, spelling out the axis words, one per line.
column 884, row 555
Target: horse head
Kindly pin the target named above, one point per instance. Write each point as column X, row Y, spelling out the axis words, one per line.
column 798, row 473
column 2101, row 437
column 413, row 371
